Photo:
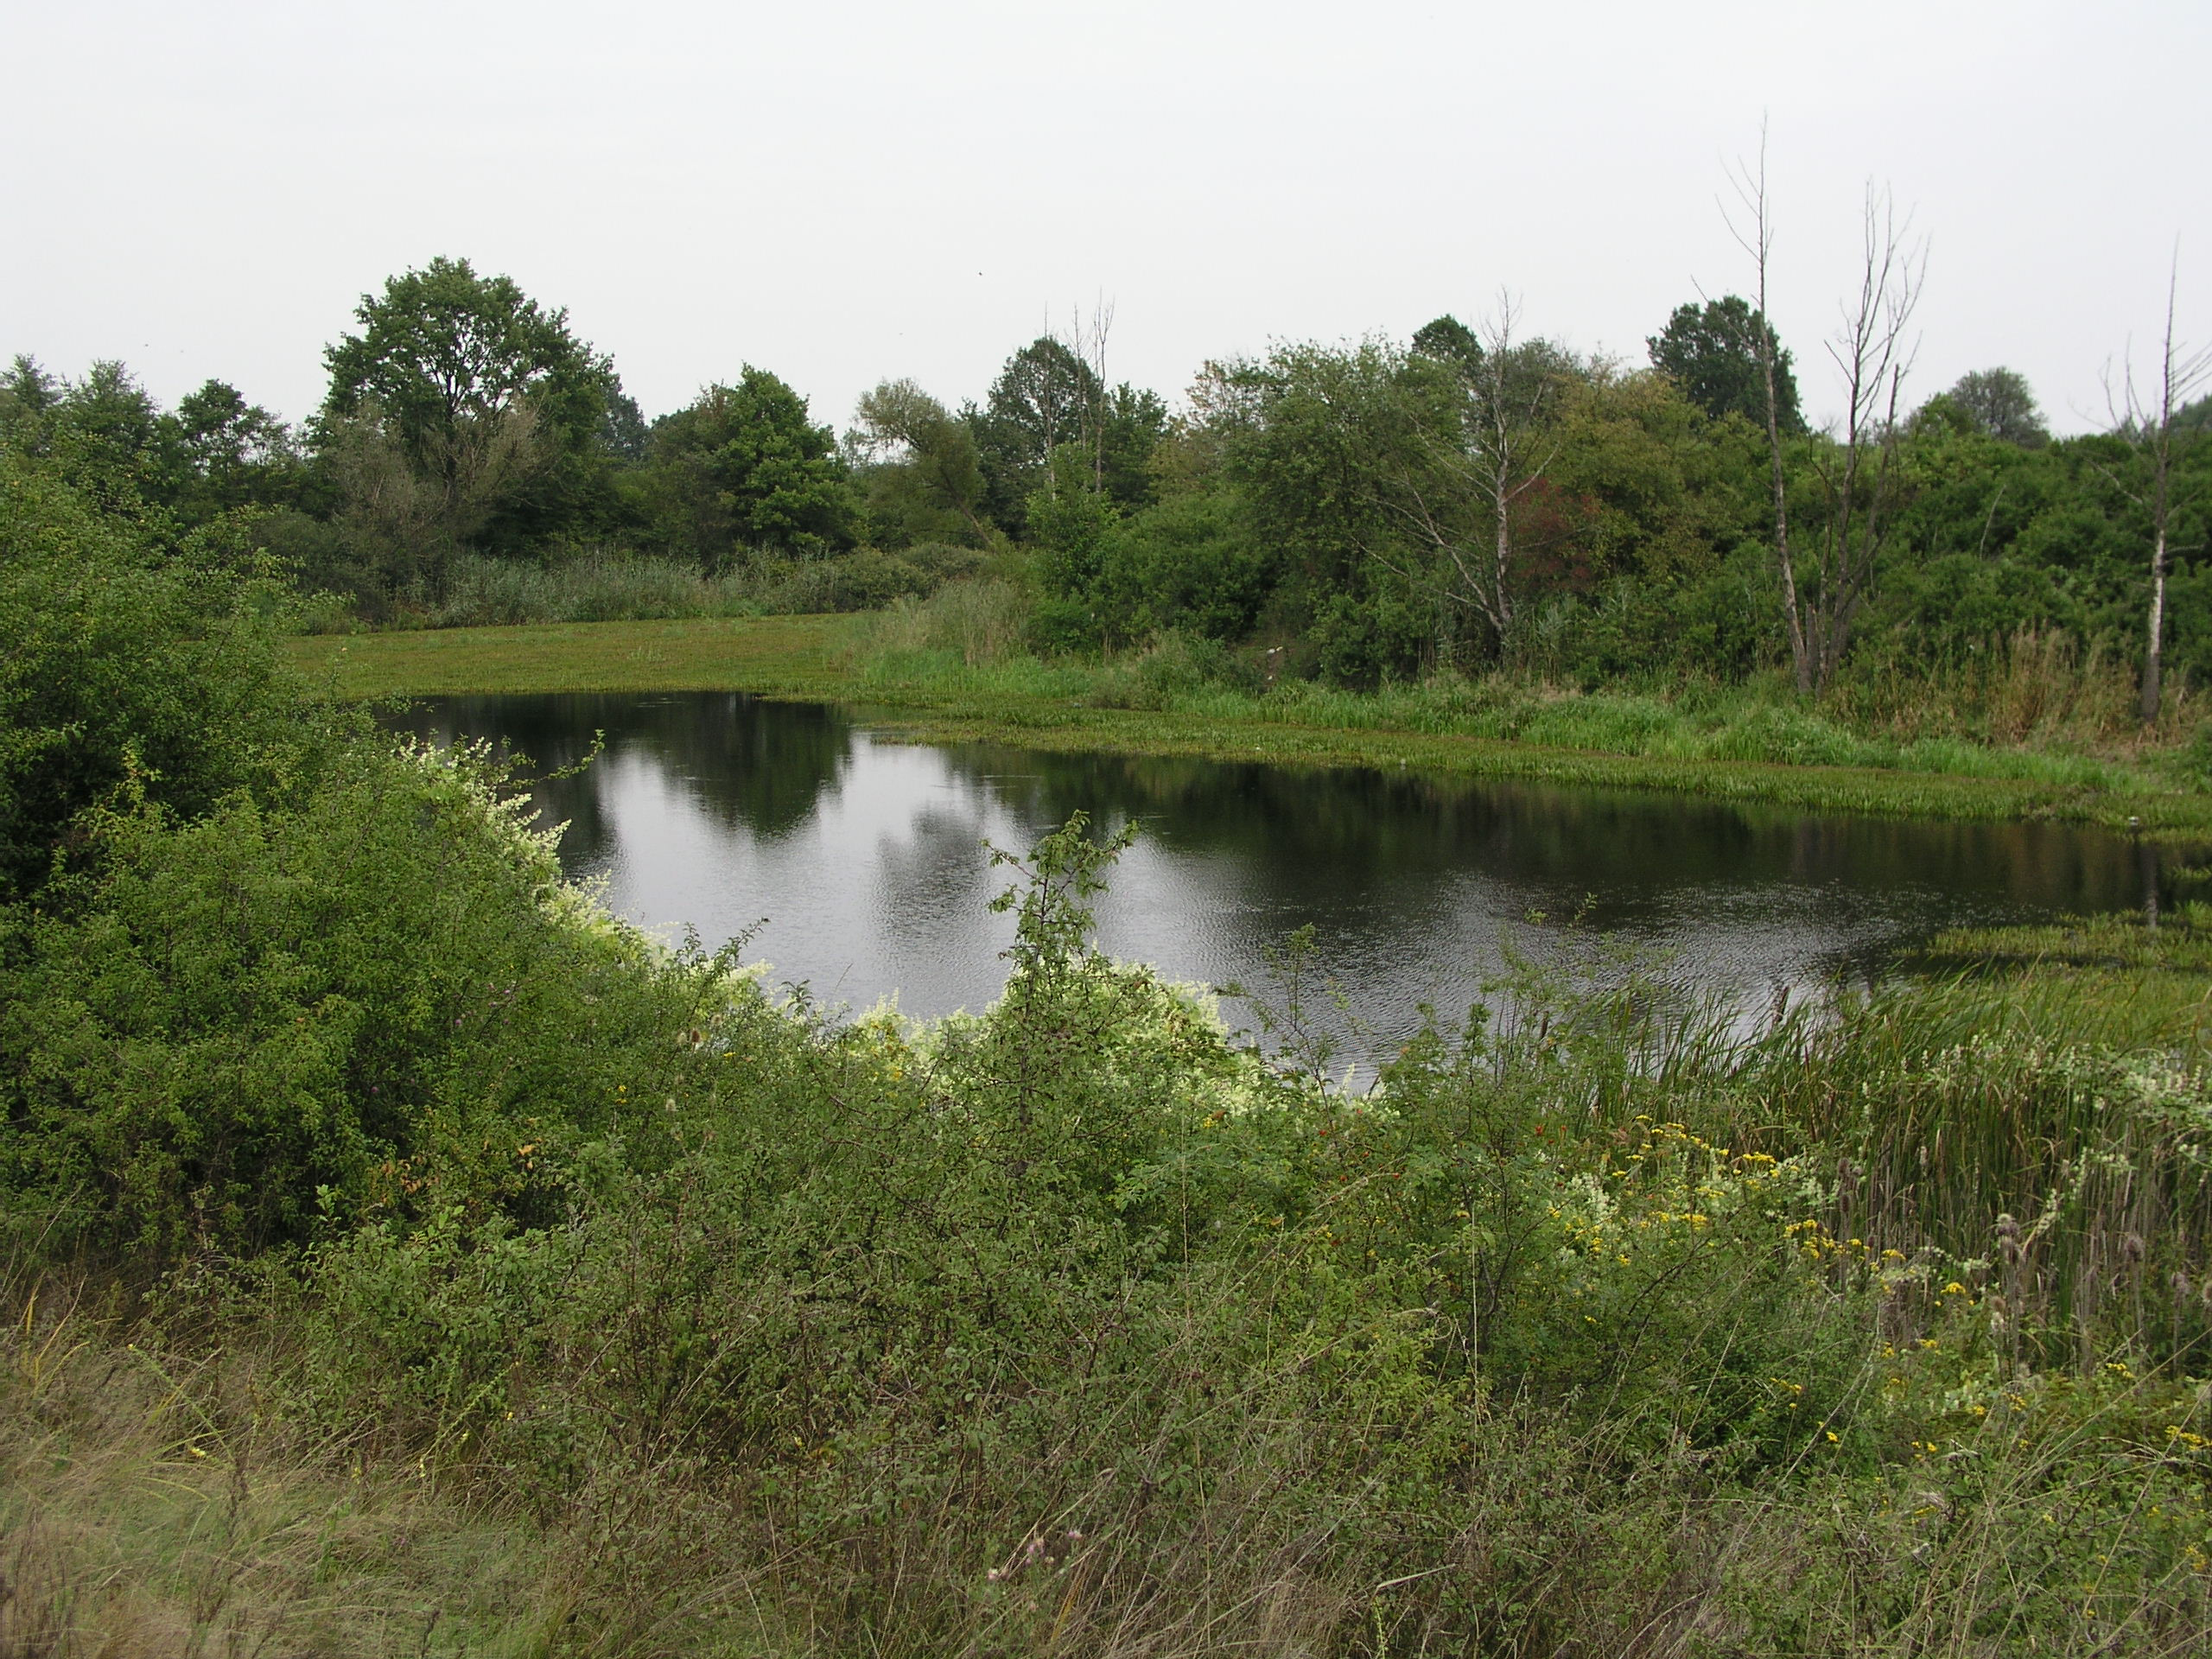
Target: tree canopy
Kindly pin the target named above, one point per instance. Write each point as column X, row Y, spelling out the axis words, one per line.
column 485, row 395
column 744, row 465
column 1712, row 351
column 2001, row 404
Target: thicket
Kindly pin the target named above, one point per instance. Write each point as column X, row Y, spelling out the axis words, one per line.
column 1465, row 503
column 403, row 1255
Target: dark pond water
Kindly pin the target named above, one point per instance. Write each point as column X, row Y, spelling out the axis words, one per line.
column 865, row 858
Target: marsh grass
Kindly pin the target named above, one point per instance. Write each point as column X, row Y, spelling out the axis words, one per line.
column 2033, row 712
column 2033, row 708
column 955, row 666
column 1607, row 1324
column 979, row 622
column 591, row 587
column 591, row 584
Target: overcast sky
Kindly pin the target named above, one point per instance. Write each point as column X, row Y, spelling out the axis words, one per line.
column 848, row 190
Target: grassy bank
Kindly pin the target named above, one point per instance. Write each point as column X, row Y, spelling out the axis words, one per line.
column 1070, row 1329
column 1736, row 746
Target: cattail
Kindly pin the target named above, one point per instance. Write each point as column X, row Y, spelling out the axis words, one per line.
column 2008, row 1241
column 2131, row 1248
column 2178, row 1282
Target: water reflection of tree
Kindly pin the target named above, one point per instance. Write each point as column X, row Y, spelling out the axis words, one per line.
column 1290, row 839
column 1351, row 831
column 751, row 764
column 936, row 879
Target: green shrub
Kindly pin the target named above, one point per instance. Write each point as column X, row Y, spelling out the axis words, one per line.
column 264, row 1013
column 125, row 662
column 1172, row 666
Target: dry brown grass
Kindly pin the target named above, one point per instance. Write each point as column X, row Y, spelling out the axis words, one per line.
column 147, row 1508
column 2040, row 689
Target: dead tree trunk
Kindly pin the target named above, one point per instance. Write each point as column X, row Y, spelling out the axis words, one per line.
column 1752, row 188
column 2151, row 428
column 1859, row 476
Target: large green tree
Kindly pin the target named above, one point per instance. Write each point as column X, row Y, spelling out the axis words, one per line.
column 487, row 397
column 102, row 433
column 744, row 467
column 1712, row 351
column 1044, row 396
column 923, row 476
column 1045, row 399
column 221, row 453
column 175, row 470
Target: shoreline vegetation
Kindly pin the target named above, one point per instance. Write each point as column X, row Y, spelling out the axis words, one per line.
column 1728, row 744
column 1071, row 1327
column 402, row 1256
column 399, row 1255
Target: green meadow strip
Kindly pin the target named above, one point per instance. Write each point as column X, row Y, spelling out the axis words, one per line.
column 1050, row 707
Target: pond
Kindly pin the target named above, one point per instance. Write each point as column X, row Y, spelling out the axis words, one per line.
column 863, row 861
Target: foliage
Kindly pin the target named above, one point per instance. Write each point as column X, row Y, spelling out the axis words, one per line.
column 129, row 667
column 391, row 1232
column 743, row 467
column 2001, row 405
column 1380, row 511
column 918, row 465
column 1050, row 1325
column 215, row 454
column 1711, row 352
column 1047, row 398
column 405, row 1180
column 486, row 400
column 273, row 1011
column 1189, row 562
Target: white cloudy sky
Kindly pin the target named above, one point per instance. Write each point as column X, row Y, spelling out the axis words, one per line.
column 851, row 190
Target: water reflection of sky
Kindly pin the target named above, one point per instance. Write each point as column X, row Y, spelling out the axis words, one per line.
column 865, row 858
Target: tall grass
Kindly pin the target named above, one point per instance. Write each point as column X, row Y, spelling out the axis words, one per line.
column 2036, row 716
column 2038, row 687
column 594, row 585
column 152, row 1503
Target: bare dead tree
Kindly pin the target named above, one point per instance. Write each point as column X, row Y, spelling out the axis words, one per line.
column 2150, row 427
column 1861, row 480
column 1508, row 447
column 1758, row 241
column 1459, row 493
column 1085, row 341
column 1089, row 343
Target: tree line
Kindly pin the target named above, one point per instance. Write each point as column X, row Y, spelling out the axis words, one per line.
column 1470, row 498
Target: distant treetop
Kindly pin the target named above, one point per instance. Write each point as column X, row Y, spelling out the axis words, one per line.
column 2001, row 403
column 1448, row 340
column 1711, row 352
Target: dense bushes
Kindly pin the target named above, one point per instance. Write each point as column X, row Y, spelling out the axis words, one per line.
column 269, row 1012
column 123, row 661
column 1074, row 1324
